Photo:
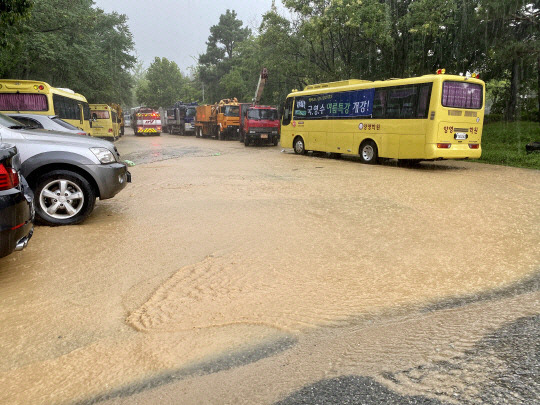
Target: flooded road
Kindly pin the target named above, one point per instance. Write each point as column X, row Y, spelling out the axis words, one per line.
column 226, row 274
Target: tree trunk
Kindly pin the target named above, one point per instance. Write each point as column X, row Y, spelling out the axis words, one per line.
column 538, row 91
column 511, row 107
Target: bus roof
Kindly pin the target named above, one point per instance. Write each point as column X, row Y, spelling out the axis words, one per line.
column 15, row 85
column 99, row 106
column 354, row 84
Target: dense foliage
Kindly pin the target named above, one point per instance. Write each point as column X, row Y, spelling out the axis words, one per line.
column 70, row 43
column 329, row 40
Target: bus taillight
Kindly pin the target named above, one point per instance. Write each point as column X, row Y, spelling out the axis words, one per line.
column 474, row 146
column 444, row 145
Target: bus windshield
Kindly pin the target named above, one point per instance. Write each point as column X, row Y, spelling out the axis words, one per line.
column 23, row 102
column 462, row 95
column 260, row 114
column 100, row 114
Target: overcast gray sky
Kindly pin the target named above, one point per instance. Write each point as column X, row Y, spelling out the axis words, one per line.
column 179, row 29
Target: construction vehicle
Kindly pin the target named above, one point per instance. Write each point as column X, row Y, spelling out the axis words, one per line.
column 221, row 120
column 259, row 124
column 146, row 121
column 180, row 118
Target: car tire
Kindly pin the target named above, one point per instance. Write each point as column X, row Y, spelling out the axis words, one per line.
column 299, row 146
column 63, row 210
column 275, row 141
column 246, row 141
column 369, row 154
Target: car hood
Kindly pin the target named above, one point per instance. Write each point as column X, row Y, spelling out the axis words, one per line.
column 65, row 138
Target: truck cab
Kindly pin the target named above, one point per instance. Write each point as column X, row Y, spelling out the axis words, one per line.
column 260, row 125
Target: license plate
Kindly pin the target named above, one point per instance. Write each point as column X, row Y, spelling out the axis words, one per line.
column 264, row 136
column 460, row 135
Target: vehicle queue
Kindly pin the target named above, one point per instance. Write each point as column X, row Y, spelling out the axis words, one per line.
column 431, row 117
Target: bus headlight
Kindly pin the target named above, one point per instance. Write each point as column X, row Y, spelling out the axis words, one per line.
column 104, row 155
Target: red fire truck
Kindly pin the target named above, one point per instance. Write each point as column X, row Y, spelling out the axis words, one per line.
column 146, row 121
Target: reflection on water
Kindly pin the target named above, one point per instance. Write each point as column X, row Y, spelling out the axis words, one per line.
column 224, row 248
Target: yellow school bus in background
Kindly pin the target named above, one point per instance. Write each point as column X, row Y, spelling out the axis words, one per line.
column 423, row 118
column 103, row 121
column 35, row 97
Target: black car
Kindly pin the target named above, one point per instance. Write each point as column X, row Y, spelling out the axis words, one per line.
column 16, row 203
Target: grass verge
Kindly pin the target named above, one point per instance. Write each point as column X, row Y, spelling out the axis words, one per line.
column 503, row 143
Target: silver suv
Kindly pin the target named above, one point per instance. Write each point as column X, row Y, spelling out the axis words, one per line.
column 66, row 172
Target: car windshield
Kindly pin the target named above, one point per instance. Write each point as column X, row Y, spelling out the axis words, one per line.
column 262, row 114
column 191, row 112
column 63, row 123
column 9, row 122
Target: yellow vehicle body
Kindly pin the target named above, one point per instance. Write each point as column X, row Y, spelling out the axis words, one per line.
column 103, row 121
column 408, row 119
column 36, row 97
column 119, row 122
column 221, row 120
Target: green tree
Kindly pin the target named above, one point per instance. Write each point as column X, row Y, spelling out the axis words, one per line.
column 11, row 12
column 69, row 43
column 163, row 85
column 221, row 52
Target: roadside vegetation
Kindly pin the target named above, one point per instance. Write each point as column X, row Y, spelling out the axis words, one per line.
column 503, row 143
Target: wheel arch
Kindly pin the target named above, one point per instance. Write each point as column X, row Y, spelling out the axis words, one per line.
column 365, row 140
column 33, row 169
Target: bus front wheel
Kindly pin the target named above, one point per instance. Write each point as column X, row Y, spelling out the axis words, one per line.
column 369, row 153
column 299, row 146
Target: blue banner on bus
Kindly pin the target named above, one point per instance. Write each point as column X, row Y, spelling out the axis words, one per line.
column 347, row 104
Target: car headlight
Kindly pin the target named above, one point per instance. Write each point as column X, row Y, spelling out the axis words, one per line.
column 251, row 132
column 104, row 155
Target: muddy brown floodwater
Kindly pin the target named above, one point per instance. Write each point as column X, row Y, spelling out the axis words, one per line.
column 226, row 274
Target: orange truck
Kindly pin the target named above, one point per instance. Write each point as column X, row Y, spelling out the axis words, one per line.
column 221, row 120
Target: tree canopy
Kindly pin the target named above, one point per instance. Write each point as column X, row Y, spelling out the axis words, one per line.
column 69, row 43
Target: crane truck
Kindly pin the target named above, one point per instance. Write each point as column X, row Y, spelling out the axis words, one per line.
column 259, row 123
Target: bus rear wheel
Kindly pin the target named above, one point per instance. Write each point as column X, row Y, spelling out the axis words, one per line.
column 369, row 153
column 299, row 146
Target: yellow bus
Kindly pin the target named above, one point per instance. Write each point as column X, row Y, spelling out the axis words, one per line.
column 104, row 121
column 35, row 97
column 423, row 118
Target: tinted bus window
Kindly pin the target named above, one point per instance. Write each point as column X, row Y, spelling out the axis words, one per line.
column 287, row 111
column 462, row 95
column 402, row 102
column 23, row 102
column 66, row 108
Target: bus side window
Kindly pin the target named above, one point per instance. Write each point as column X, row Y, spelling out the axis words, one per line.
column 423, row 100
column 379, row 103
column 287, row 111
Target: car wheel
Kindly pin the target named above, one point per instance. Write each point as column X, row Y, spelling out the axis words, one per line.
column 369, row 153
column 299, row 146
column 246, row 141
column 63, row 198
column 275, row 141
